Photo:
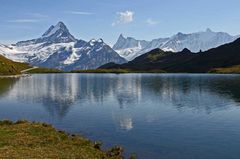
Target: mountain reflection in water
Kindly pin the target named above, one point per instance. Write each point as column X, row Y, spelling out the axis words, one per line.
column 57, row 93
column 174, row 116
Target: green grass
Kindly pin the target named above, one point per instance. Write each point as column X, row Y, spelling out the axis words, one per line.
column 227, row 70
column 8, row 67
column 44, row 70
column 102, row 71
column 39, row 140
column 154, row 57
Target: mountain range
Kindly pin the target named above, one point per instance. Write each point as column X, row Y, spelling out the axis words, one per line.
column 130, row 48
column 58, row 48
column 224, row 56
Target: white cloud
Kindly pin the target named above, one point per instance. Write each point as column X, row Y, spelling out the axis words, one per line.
column 79, row 13
column 24, row 21
column 151, row 22
column 124, row 18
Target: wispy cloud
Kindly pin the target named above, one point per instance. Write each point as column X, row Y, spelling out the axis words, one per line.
column 38, row 15
column 30, row 18
column 124, row 18
column 24, row 20
column 151, row 22
column 79, row 13
column 15, row 26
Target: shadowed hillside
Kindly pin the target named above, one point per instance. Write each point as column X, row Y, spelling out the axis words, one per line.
column 185, row 61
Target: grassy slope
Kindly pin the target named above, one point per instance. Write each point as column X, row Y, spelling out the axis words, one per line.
column 38, row 140
column 233, row 69
column 8, row 67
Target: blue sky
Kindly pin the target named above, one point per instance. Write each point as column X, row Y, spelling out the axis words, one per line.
column 142, row 19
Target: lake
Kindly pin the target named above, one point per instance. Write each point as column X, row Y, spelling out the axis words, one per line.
column 156, row 116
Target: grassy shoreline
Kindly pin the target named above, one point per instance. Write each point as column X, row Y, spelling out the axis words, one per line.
column 14, row 76
column 116, row 71
column 229, row 70
column 23, row 139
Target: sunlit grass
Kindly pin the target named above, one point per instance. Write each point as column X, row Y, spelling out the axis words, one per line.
column 233, row 69
column 8, row 67
column 39, row 140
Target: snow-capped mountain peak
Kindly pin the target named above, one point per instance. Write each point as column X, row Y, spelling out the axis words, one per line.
column 195, row 42
column 125, row 47
column 57, row 48
column 129, row 42
column 55, row 34
column 121, row 37
column 100, row 40
column 60, row 27
column 59, row 33
column 95, row 45
column 93, row 41
column 48, row 31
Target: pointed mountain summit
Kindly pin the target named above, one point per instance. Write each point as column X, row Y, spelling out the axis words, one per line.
column 126, row 46
column 55, row 34
column 121, row 37
column 60, row 27
column 208, row 30
column 120, row 42
column 59, row 33
column 53, row 29
column 48, row 31
column 128, row 42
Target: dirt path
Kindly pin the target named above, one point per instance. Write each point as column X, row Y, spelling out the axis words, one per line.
column 24, row 71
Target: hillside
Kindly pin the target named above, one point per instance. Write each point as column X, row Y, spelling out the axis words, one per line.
column 9, row 67
column 232, row 69
column 185, row 61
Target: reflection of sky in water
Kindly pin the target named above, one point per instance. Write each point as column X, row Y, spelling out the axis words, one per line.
column 151, row 110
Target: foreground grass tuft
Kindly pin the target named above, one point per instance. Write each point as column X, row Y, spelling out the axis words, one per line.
column 23, row 139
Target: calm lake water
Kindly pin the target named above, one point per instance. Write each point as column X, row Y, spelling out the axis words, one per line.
column 156, row 116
